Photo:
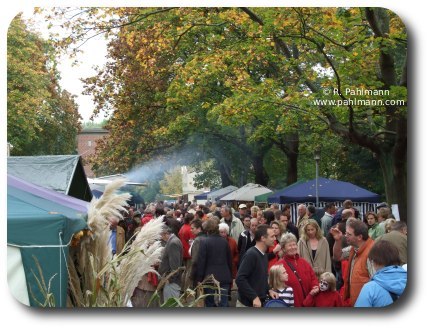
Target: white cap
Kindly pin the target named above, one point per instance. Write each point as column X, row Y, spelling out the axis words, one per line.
column 242, row 206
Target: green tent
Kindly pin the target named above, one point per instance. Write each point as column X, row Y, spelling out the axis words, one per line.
column 62, row 173
column 40, row 226
column 262, row 198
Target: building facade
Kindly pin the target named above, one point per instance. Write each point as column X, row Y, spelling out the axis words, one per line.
column 87, row 142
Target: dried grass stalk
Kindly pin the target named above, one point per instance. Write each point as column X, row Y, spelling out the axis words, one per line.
column 144, row 253
column 99, row 279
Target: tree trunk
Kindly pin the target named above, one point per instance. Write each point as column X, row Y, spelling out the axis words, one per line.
column 292, row 153
column 394, row 171
column 225, row 175
column 261, row 176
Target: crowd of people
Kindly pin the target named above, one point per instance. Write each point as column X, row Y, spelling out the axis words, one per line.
column 338, row 260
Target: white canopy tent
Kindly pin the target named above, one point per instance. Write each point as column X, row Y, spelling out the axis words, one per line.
column 101, row 182
column 214, row 195
column 246, row 193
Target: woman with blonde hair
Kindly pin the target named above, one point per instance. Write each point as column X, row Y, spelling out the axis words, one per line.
column 274, row 250
column 278, row 277
column 388, row 224
column 254, row 211
column 314, row 248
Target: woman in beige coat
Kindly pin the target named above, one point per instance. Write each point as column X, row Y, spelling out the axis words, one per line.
column 314, row 248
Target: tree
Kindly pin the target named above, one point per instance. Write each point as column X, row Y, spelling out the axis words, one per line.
column 137, row 46
column 172, row 182
column 91, row 124
column 265, row 78
column 363, row 49
column 41, row 118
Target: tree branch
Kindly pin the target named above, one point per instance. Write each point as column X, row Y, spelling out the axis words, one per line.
column 193, row 25
column 383, row 133
column 373, row 22
column 108, row 28
column 346, row 47
column 252, row 15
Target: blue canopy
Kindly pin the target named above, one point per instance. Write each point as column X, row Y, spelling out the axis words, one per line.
column 203, row 196
column 215, row 195
column 328, row 191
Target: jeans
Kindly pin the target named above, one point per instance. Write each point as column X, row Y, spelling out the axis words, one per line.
column 223, row 301
column 171, row 290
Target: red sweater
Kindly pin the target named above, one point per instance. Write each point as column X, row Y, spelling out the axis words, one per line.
column 146, row 218
column 306, row 273
column 324, row 299
column 185, row 235
column 234, row 255
column 275, row 258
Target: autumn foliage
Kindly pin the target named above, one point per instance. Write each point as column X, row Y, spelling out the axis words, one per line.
column 241, row 85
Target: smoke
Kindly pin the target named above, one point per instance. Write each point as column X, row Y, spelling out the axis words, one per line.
column 151, row 170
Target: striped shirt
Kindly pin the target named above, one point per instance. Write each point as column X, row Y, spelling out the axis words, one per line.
column 287, row 295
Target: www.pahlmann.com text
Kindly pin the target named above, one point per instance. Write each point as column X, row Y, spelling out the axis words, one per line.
column 358, row 102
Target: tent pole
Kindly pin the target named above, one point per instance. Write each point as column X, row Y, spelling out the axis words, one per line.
column 317, row 157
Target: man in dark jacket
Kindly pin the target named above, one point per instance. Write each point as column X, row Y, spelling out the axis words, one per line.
column 246, row 239
column 289, row 226
column 252, row 275
column 197, row 230
column 171, row 261
column 215, row 259
column 347, row 204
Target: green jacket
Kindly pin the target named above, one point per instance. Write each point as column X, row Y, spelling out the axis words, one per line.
column 375, row 231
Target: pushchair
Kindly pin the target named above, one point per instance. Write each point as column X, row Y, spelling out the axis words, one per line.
column 275, row 303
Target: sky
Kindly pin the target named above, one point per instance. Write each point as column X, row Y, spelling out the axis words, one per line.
column 411, row 309
column 93, row 54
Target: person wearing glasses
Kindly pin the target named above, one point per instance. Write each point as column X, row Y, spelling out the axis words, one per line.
column 358, row 269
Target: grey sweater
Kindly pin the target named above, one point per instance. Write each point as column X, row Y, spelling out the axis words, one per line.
column 172, row 259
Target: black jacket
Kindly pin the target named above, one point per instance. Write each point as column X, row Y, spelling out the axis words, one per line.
column 291, row 228
column 214, row 258
column 244, row 243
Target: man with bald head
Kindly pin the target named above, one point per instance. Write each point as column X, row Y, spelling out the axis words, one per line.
column 347, row 204
column 302, row 216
